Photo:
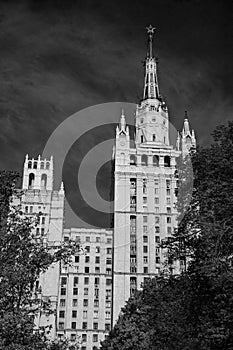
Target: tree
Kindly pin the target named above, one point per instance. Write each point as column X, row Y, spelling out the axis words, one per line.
column 192, row 310
column 23, row 257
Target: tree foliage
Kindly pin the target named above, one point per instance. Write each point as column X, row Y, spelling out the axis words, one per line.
column 193, row 310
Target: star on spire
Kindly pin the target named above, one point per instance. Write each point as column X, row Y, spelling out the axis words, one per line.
column 150, row 29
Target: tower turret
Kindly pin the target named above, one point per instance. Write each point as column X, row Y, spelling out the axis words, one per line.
column 188, row 139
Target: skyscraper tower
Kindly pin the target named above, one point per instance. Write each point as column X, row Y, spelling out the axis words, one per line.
column 144, row 211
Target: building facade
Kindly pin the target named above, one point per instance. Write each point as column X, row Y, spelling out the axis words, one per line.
column 87, row 295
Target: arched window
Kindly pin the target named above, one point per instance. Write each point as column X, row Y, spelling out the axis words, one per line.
column 144, row 160
column 133, row 160
column 47, row 165
column 35, row 165
column 167, row 161
column 122, row 158
column 142, row 139
column 29, row 164
column 42, row 165
column 43, row 181
column 155, row 160
column 31, row 180
column 154, row 137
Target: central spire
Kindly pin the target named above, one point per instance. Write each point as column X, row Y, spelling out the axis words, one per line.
column 151, row 88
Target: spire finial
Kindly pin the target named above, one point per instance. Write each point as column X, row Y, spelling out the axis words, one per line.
column 150, row 31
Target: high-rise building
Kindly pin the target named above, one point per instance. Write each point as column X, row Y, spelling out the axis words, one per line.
column 88, row 295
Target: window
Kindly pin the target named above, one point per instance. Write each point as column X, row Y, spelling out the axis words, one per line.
column 86, row 269
column 108, row 271
column 62, row 302
column 76, row 258
column 87, row 248
column 31, row 209
column 109, row 250
column 108, row 315
column 73, row 325
column 26, row 209
column 74, row 313
column 157, row 260
column 144, row 188
column 61, row 325
column 156, row 200
column 169, row 219
column 168, row 200
column 109, row 240
column 63, row 291
column 145, row 249
column 157, row 229
column 75, row 291
column 107, row 303
column 96, row 293
column 87, row 259
column 96, row 303
column 157, row 251
column 97, row 239
column 42, row 231
column 153, row 137
column 84, row 338
column 85, row 302
column 156, row 182
column 108, row 293
column 145, row 259
column 157, row 219
column 97, row 269
column 63, row 281
column 95, row 338
column 168, row 191
column 144, row 219
column 84, row 325
column 142, row 139
column 75, row 280
column 108, row 261
column 95, row 325
column 157, row 239
column 144, row 200
column 97, row 280
column 167, row 161
column 108, row 282
column 96, row 313
column 97, row 250
column 85, row 314
column 87, row 239
column 78, row 239
column 144, row 160
column 31, row 180
column 156, row 209
column 43, row 220
column 72, row 337
column 168, row 183
column 169, row 210
column 97, row 259
column 43, row 181
column 85, row 291
column 145, row 239
column 107, row 327
column 155, row 160
column 61, row 314
column 145, row 269
column 37, row 231
column 169, row 230
column 75, row 302
column 145, row 229
column 133, row 160
column 156, row 190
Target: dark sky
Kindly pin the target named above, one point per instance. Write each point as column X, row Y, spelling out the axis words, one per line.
column 58, row 57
